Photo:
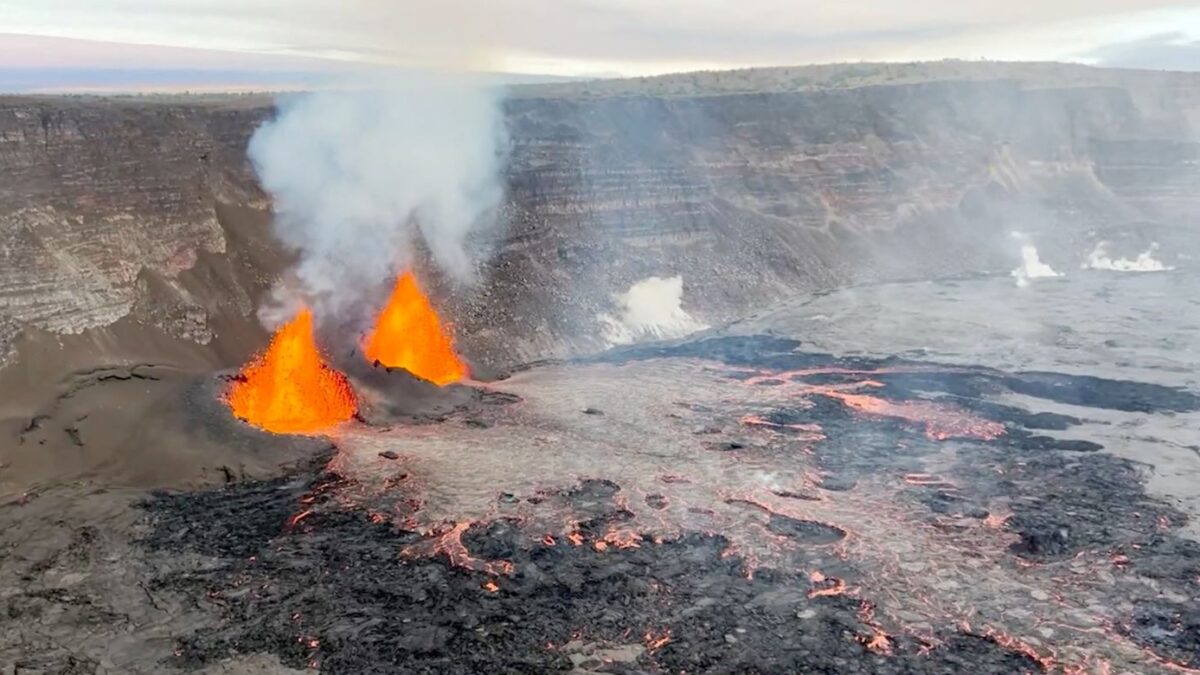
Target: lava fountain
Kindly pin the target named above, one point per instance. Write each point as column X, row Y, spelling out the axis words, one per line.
column 289, row 388
column 409, row 334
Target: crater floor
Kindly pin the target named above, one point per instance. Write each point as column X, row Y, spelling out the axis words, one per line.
column 912, row 478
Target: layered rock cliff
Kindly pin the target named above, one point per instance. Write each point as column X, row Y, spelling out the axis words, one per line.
column 130, row 215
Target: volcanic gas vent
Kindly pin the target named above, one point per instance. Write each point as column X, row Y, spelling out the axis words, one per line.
column 408, row 334
column 289, row 388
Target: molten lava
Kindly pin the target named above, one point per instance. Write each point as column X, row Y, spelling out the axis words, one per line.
column 289, row 388
column 408, row 334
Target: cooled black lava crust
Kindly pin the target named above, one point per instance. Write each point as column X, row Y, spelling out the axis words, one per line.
column 331, row 591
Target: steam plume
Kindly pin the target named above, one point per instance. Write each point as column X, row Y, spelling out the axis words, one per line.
column 357, row 174
column 651, row 309
column 1099, row 259
column 1032, row 266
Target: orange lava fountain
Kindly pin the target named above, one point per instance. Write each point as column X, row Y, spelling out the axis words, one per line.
column 408, row 334
column 289, row 388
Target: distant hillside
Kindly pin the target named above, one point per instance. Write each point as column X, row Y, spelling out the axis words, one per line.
column 852, row 75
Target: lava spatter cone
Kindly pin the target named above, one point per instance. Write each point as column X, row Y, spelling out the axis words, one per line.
column 289, row 388
column 409, row 334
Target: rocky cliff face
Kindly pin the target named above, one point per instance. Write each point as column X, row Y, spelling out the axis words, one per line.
column 130, row 215
column 750, row 197
column 97, row 191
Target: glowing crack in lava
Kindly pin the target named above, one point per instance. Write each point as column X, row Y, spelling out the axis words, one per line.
column 941, row 421
column 289, row 388
column 408, row 334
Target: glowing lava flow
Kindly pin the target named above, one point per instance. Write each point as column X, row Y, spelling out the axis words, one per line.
column 289, row 388
column 408, row 334
column 941, row 421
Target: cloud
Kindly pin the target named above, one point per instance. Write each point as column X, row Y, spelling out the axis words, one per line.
column 34, row 51
column 37, row 64
column 33, row 63
column 1164, row 51
column 632, row 36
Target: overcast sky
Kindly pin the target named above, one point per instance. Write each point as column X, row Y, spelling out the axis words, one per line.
column 584, row 37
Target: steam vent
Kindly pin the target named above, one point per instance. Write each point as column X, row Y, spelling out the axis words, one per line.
column 870, row 368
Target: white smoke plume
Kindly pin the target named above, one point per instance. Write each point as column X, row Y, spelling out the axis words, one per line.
column 1032, row 266
column 1099, row 259
column 357, row 174
column 650, row 309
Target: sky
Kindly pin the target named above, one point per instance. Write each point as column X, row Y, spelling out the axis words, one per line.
column 232, row 44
